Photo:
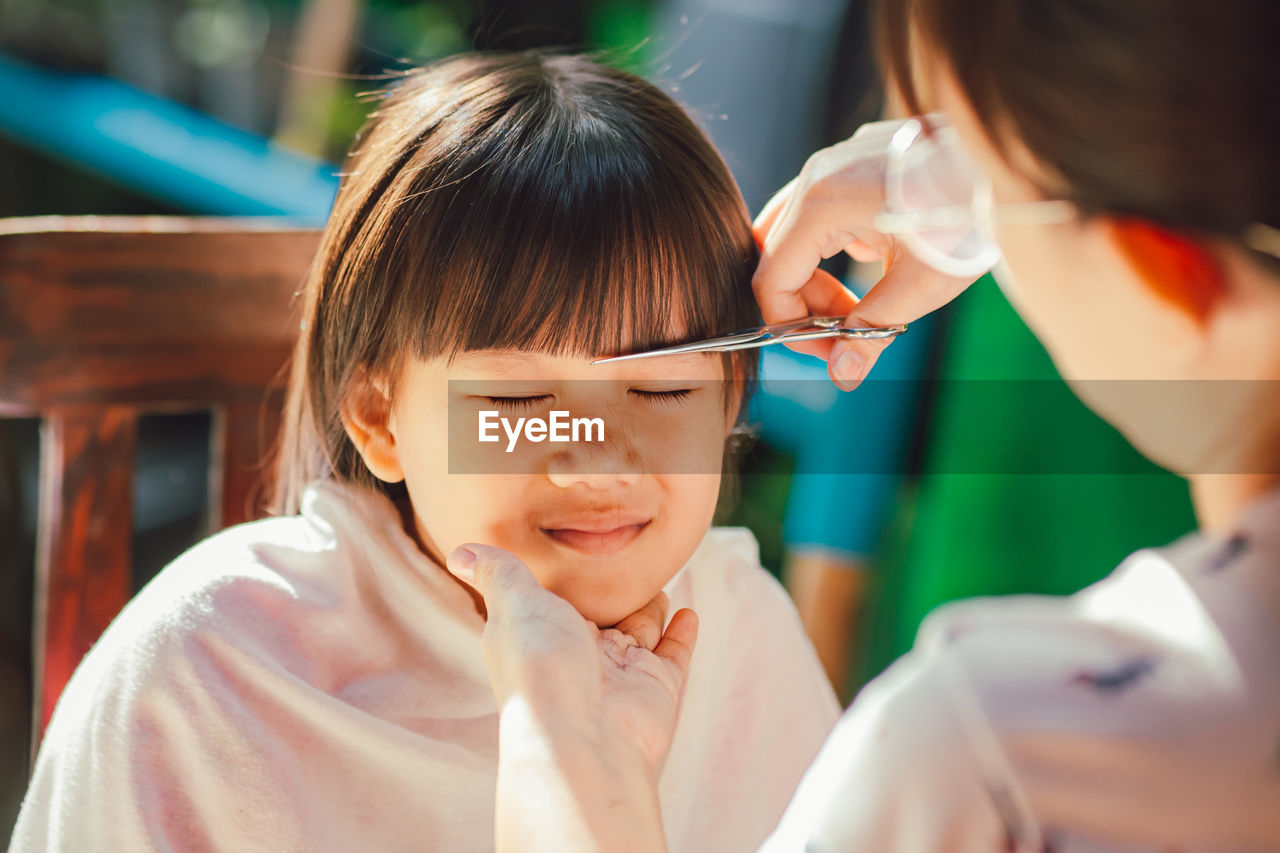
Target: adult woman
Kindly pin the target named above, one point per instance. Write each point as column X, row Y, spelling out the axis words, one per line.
column 1126, row 166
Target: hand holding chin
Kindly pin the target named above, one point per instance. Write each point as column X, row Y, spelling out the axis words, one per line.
column 617, row 687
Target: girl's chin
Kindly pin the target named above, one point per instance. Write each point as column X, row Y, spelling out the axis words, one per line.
column 604, row 610
column 605, row 614
column 605, row 590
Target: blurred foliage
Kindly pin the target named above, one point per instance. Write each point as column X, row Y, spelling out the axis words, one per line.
column 231, row 58
column 622, row 29
column 418, row 32
column 756, row 498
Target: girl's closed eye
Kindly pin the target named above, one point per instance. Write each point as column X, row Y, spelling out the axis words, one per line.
column 518, row 404
column 527, row 402
column 671, row 396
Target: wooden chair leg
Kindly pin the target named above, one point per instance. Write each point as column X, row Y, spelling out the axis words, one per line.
column 83, row 575
column 243, row 436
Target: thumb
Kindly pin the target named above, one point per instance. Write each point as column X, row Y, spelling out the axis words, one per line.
column 534, row 641
column 908, row 290
column 677, row 643
column 499, row 576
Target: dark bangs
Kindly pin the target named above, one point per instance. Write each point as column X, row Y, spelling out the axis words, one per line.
column 559, row 206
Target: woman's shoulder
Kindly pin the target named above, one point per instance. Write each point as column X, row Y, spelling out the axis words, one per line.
column 1033, row 660
column 1019, row 710
column 1006, row 684
column 938, row 730
column 1167, row 605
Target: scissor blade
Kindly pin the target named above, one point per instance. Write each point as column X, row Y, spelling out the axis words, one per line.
column 721, row 344
column 795, row 331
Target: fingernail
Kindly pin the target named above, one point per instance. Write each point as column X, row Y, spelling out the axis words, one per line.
column 462, row 562
column 847, row 369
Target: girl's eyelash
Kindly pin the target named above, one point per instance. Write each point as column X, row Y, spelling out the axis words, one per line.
column 518, row 403
column 678, row 395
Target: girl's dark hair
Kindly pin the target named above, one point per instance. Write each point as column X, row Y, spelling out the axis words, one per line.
column 526, row 201
column 1164, row 110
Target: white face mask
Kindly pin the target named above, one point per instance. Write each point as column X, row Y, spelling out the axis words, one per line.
column 939, row 203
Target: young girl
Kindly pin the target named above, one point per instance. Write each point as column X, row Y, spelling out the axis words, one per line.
column 315, row 681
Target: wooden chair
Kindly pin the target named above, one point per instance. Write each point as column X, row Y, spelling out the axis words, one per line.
column 102, row 320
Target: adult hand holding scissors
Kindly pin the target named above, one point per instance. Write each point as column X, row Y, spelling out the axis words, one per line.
column 588, row 713
column 832, row 206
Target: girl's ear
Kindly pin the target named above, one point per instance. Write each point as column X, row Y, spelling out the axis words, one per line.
column 367, row 416
column 1174, row 267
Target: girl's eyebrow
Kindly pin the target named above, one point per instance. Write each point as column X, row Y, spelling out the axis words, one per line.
column 496, row 359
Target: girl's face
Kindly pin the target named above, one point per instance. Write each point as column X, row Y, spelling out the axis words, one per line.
column 604, row 524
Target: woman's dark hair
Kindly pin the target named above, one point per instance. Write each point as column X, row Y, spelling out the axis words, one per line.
column 1163, row 110
column 527, row 201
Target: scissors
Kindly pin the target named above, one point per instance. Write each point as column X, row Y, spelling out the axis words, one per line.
column 790, row 332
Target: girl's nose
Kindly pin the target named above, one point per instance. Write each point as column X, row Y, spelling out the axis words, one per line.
column 597, row 468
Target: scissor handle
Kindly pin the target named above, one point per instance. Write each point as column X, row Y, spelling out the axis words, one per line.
column 824, row 327
column 789, row 325
column 871, row 333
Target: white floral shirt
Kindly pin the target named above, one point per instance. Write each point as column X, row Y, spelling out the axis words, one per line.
column 1140, row 715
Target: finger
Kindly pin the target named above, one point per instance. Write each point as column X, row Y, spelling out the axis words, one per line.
column 786, row 266
column 499, row 576
column 678, row 641
column 802, row 237
column 849, row 362
column 788, row 306
column 909, row 290
column 645, row 625
column 823, row 296
column 861, row 252
column 775, row 227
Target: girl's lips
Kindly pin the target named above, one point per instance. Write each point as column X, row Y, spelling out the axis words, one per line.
column 596, row 541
